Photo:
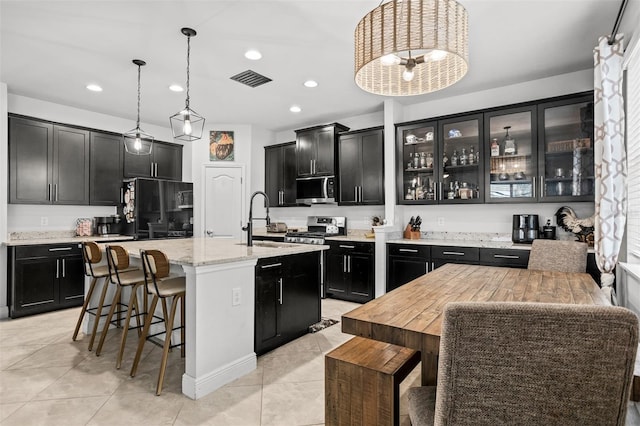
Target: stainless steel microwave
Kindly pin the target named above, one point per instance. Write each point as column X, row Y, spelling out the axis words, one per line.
column 315, row 190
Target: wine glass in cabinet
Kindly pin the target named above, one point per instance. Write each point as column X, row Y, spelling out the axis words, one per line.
column 511, row 159
column 416, row 163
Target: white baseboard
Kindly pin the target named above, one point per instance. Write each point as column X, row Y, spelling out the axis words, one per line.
column 196, row 388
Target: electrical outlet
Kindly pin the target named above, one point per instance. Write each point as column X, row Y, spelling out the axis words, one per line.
column 236, row 296
column 440, row 221
column 44, row 221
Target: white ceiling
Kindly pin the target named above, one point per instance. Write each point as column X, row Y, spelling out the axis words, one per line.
column 52, row 49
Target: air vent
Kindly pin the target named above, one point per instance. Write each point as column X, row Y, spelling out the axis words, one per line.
column 251, row 78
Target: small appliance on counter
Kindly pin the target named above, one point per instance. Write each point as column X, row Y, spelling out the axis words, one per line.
column 107, row 225
column 548, row 231
column 526, row 228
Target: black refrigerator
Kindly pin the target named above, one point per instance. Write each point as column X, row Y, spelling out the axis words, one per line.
column 156, row 208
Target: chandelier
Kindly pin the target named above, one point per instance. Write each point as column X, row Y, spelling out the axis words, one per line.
column 411, row 47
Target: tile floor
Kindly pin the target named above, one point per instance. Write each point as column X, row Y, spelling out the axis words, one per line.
column 46, row 379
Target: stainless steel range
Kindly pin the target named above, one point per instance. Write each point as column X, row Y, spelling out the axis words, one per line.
column 318, row 228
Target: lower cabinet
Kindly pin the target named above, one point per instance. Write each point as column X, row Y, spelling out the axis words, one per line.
column 406, row 262
column 44, row 278
column 441, row 255
column 287, row 299
column 350, row 271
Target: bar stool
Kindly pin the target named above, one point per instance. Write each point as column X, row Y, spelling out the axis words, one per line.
column 118, row 262
column 91, row 256
column 158, row 283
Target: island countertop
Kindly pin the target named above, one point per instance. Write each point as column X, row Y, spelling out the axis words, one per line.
column 211, row 251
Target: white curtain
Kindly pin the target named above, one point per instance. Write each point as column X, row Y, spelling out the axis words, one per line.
column 609, row 157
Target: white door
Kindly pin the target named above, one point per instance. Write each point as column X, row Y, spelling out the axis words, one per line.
column 224, row 192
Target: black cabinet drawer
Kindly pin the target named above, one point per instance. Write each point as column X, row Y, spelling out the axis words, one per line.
column 453, row 253
column 505, row 257
column 409, row 250
column 24, row 252
column 352, row 246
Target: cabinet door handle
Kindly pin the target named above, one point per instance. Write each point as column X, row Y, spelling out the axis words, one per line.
column 49, row 193
column 344, row 263
column 360, row 194
column 433, row 266
column 121, row 195
column 64, row 269
column 439, row 190
column 156, row 169
column 151, row 172
column 408, row 250
column 273, row 265
column 55, row 192
column 280, row 299
column 506, row 256
column 57, row 268
column 349, row 257
column 355, row 194
column 426, row 267
column 60, row 249
column 453, row 253
column 542, row 191
column 345, row 246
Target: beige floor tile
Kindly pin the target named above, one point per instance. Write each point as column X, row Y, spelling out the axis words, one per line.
column 331, row 338
column 232, row 406
column 293, row 404
column 294, row 368
column 22, row 385
column 304, row 344
column 67, row 354
column 67, row 412
column 146, row 378
column 43, row 335
column 10, row 355
column 253, row 378
column 7, row 409
column 143, row 408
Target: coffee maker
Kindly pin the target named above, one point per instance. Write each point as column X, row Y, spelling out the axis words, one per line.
column 107, row 225
column 525, row 228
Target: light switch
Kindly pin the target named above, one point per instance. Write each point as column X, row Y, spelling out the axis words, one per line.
column 236, row 296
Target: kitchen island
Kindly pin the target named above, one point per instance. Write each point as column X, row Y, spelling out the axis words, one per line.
column 220, row 298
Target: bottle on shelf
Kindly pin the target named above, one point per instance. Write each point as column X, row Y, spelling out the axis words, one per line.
column 463, row 157
column 471, row 158
column 429, row 161
column 454, row 158
column 451, row 194
column 409, row 195
column 495, row 147
column 416, row 160
column 423, row 160
column 445, row 160
column 509, row 143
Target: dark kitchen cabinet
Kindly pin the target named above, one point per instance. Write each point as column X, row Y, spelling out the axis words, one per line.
column 511, row 258
column 280, row 174
column 441, row 255
column 165, row 162
column 49, row 164
column 406, row 262
column 287, row 299
column 315, row 149
column 44, row 278
column 105, row 168
column 350, row 272
column 361, row 167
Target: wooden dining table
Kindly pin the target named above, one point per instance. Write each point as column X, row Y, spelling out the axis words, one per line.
column 411, row 315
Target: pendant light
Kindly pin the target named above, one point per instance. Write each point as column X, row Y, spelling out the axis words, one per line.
column 137, row 141
column 411, row 47
column 187, row 125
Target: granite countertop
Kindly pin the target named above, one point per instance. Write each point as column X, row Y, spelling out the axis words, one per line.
column 464, row 243
column 31, row 239
column 356, row 235
column 211, row 251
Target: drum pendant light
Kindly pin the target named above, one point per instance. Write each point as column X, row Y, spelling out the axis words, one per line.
column 411, row 47
column 187, row 125
column 137, row 141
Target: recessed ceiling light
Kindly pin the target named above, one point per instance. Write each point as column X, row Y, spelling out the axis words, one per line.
column 94, row 88
column 253, row 54
column 311, row 83
column 176, row 88
column 295, row 108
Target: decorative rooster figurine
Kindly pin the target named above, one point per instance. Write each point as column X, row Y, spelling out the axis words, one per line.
column 583, row 228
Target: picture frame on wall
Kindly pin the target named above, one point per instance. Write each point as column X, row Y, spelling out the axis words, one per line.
column 221, row 145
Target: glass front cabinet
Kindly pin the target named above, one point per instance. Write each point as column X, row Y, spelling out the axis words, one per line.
column 441, row 161
column 511, row 160
column 566, row 166
column 535, row 151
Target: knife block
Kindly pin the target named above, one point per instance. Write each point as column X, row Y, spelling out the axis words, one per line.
column 411, row 235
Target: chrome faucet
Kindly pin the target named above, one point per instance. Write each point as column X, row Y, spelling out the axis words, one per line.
column 249, row 227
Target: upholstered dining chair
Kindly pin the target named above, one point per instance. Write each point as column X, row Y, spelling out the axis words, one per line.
column 558, row 255
column 530, row 364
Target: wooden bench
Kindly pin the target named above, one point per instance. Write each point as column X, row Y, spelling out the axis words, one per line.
column 362, row 380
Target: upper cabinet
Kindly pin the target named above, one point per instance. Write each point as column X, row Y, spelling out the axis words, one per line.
column 440, row 161
column 105, row 168
column 536, row 151
column 566, row 165
column 48, row 163
column 280, row 174
column 361, row 167
column 165, row 162
column 511, row 160
column 315, row 149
